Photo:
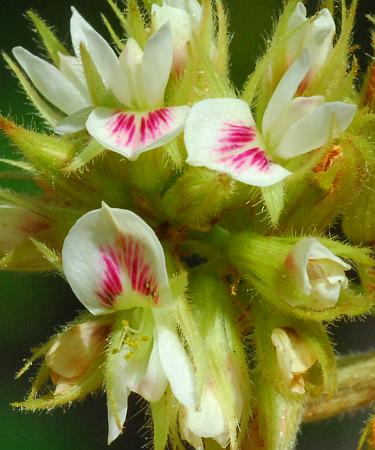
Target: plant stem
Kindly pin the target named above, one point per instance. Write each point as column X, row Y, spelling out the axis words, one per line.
column 355, row 389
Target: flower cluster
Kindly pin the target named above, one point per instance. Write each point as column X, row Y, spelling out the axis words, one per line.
column 187, row 217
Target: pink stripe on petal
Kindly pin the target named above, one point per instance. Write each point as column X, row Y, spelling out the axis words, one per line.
column 143, row 129
column 122, row 126
column 156, row 124
column 131, row 130
column 124, row 262
column 111, row 284
column 237, row 149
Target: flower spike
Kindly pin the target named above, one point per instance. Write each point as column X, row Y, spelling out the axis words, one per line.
column 210, row 285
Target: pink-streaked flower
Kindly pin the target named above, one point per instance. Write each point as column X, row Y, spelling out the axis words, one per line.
column 319, row 273
column 136, row 121
column 114, row 262
column 16, row 225
column 138, row 79
column 74, row 351
column 184, row 17
column 294, row 357
column 221, row 134
column 312, row 34
column 63, row 86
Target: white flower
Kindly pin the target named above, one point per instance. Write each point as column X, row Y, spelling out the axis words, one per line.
column 16, row 225
column 314, row 35
column 319, row 273
column 184, row 17
column 113, row 261
column 220, row 407
column 209, row 421
column 74, row 351
column 221, row 134
column 136, row 78
column 294, row 357
column 64, row 86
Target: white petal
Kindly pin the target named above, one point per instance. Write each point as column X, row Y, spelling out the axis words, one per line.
column 73, row 123
column 50, row 82
column 208, row 421
column 104, row 58
column 320, row 37
column 193, row 7
column 71, row 67
column 297, row 25
column 117, row 399
column 132, row 54
column 157, row 65
column 132, row 133
column 220, row 134
column 316, row 36
column 324, row 27
column 298, row 17
column 154, row 382
column 296, row 110
column 294, row 357
column 326, row 122
column 175, row 362
column 131, row 61
column 195, row 441
column 285, row 91
column 315, row 250
column 319, row 272
column 326, row 292
column 112, row 258
column 182, row 31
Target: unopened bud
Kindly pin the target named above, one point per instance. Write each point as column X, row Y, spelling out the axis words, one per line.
column 74, row 351
column 294, row 357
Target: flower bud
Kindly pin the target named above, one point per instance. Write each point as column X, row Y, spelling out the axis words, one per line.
column 220, row 368
column 74, row 351
column 287, row 348
column 197, row 197
column 16, row 225
column 209, row 420
column 46, row 153
column 294, row 357
column 319, row 273
column 184, row 18
column 303, row 276
column 315, row 35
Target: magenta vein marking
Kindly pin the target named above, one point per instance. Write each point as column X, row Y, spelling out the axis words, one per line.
column 235, row 147
column 125, row 260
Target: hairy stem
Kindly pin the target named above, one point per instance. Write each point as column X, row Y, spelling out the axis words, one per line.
column 355, row 389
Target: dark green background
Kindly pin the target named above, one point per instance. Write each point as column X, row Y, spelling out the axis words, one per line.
column 32, row 307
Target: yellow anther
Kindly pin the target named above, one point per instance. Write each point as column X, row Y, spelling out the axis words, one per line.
column 129, row 356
